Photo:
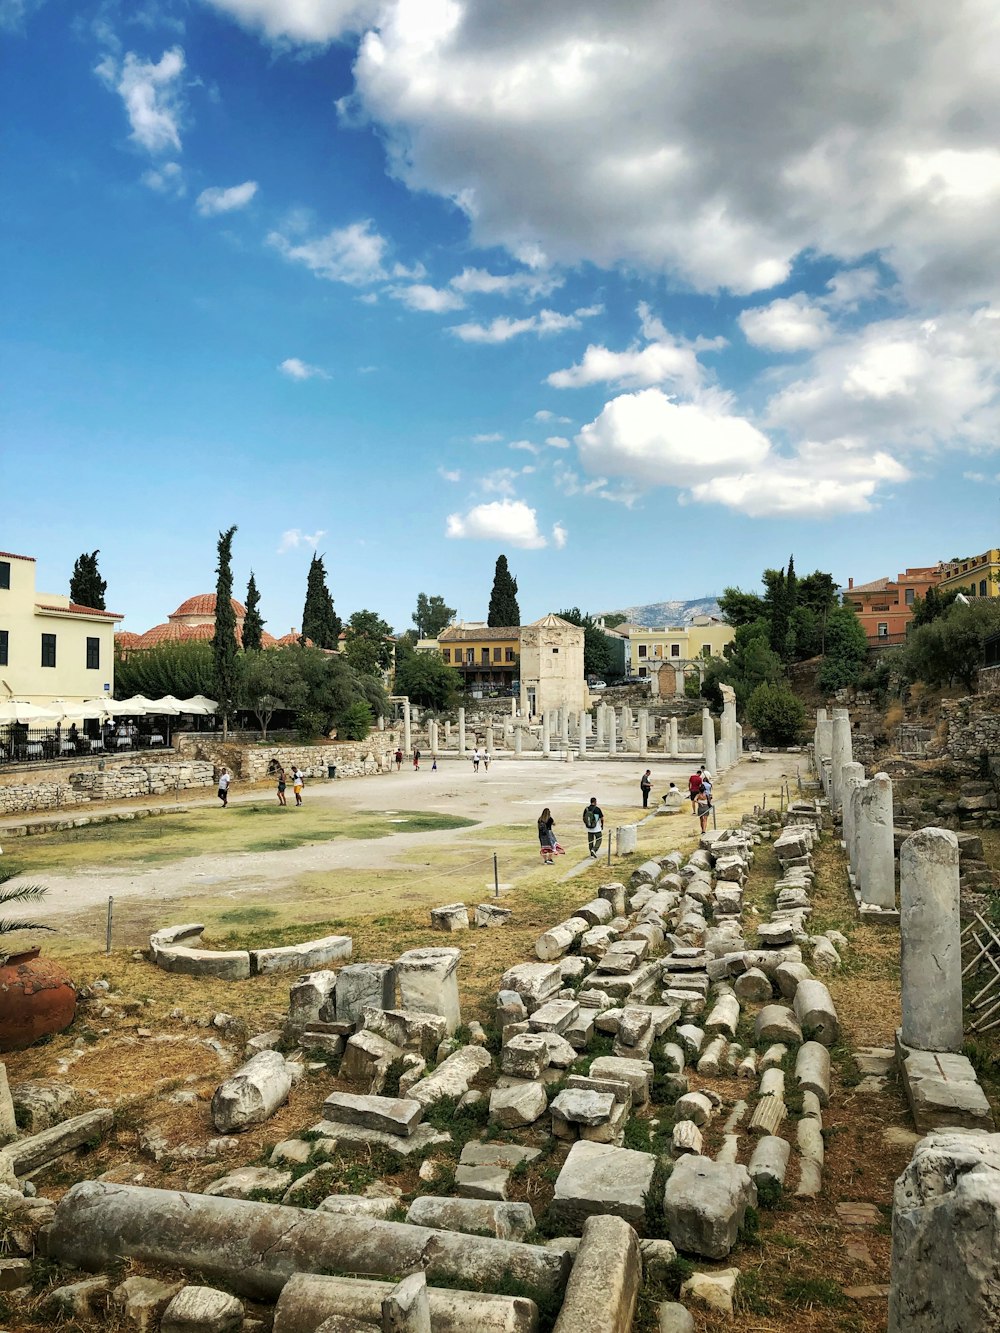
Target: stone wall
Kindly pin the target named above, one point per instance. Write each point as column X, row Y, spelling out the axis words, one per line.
column 972, row 732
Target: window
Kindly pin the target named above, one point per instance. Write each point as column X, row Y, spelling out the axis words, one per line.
column 509, row 655
column 642, row 672
column 982, row 588
column 446, row 652
column 496, row 654
column 675, row 650
column 555, row 650
column 883, row 630
column 908, row 596
column 4, row 573
column 470, row 655
column 706, row 650
column 48, row 650
column 4, row 644
column 484, row 654
column 93, row 654
column 642, row 650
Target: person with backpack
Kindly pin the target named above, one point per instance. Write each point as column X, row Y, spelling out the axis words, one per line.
column 694, row 788
column 646, row 786
column 593, row 822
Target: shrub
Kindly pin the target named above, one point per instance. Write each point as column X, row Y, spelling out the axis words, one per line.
column 776, row 714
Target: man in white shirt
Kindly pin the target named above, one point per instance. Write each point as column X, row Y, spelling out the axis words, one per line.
column 224, row 781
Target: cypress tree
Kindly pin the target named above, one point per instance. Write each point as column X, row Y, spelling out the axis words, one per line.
column 504, row 609
column 791, row 602
column 319, row 620
column 86, row 587
column 253, row 625
column 224, row 639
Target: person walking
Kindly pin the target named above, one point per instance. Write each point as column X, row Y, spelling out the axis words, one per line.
column 476, row 756
column 416, row 759
column 486, row 760
column 704, row 808
column 646, row 786
column 694, row 787
column 546, row 836
column 298, row 782
column 281, row 786
column 399, row 757
column 224, row 781
column 593, row 822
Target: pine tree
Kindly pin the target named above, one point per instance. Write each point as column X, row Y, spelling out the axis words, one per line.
column 224, row 639
column 791, row 603
column 86, row 587
column 320, row 622
column 504, row 609
column 253, row 625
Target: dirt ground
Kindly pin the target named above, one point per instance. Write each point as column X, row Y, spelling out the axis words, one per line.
column 802, row 1267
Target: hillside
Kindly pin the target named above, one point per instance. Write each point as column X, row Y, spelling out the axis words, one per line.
column 657, row 614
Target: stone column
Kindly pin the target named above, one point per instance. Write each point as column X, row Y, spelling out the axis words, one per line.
column 432, row 736
column 600, row 717
column 626, row 720
column 490, row 739
column 679, row 681
column 611, row 727
column 823, row 747
column 872, row 822
column 728, row 729
column 587, row 724
column 513, row 706
column 428, row 983
column 564, row 724
column 582, row 738
column 545, row 733
column 643, row 733
column 461, row 731
column 854, row 776
column 447, row 735
column 929, row 931
column 518, row 737
column 708, row 740
column 407, row 732
column 842, row 754
column 674, row 744
column 738, row 742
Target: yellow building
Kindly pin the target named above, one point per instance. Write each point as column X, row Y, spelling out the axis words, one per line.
column 646, row 650
column 51, row 648
column 483, row 655
column 975, row 575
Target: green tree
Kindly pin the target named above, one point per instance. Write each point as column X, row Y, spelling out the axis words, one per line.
column 749, row 661
column 320, row 622
column 504, row 610
column 356, row 722
column 950, row 648
column 86, row 587
column 817, row 597
column 776, row 714
column 224, row 639
column 603, row 654
column 271, row 682
column 846, row 650
column 253, row 625
column 777, row 610
column 179, row 667
column 431, row 616
column 613, row 619
column 933, row 604
column 740, row 608
column 427, row 681
column 368, row 645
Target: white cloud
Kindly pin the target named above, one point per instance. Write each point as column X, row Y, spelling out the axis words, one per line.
column 502, row 481
column 543, row 414
column 530, row 285
column 847, row 289
column 167, row 179
column 792, row 324
column 301, row 370
column 352, row 254
column 421, row 296
column 526, row 446
column 313, row 22
column 818, row 483
column 559, row 536
column 508, row 522
column 292, row 539
column 216, row 200
column 501, row 330
column 978, row 477
column 494, row 437
column 447, row 474
column 152, row 97
column 557, row 442
column 664, row 359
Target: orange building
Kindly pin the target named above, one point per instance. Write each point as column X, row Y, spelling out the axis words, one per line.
column 885, row 606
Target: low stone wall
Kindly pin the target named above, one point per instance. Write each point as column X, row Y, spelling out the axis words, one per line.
column 973, row 729
column 113, row 784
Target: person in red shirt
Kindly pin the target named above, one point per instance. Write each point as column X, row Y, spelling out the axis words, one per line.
column 694, row 789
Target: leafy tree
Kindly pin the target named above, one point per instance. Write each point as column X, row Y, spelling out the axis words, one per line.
column 368, row 645
column 776, row 714
column 846, row 650
column 253, row 625
column 817, row 597
column 740, row 608
column 427, row 680
column 86, row 587
column 504, row 610
column 613, row 620
column 179, row 667
column 356, row 722
column 748, row 661
column 807, row 631
column 224, row 639
column 320, row 622
column 950, row 648
column 778, row 610
column 818, row 592
column 271, row 682
column 603, row 656
column 431, row 616
column 933, row 604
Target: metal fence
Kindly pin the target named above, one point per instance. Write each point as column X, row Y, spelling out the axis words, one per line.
column 34, row 745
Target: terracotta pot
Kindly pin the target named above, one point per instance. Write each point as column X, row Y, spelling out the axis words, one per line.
column 36, row 998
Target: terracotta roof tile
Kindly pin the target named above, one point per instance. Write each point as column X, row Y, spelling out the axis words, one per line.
column 75, row 609
column 460, row 634
column 203, row 604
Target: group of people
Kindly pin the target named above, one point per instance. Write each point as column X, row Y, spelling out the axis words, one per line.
column 700, row 795
column 298, row 782
column 593, row 822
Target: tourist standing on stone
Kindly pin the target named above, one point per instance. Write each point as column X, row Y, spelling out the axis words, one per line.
column 281, row 786
column 224, row 781
column 298, row 782
column 416, row 758
column 646, row 786
column 694, row 789
column 399, row 758
column 593, row 822
column 546, row 836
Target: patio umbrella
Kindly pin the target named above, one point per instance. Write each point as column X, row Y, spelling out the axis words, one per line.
column 168, row 706
column 18, row 710
column 200, row 705
column 137, row 706
column 82, row 709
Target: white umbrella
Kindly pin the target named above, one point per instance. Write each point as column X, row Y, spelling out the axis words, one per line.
column 137, row 706
column 199, row 704
column 168, row 706
column 73, row 708
column 18, row 710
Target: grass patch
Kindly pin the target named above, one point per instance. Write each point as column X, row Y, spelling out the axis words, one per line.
column 804, row 1293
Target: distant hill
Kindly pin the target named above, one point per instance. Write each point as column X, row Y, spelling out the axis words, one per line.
column 655, row 615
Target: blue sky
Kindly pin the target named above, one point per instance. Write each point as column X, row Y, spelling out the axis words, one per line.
column 645, row 296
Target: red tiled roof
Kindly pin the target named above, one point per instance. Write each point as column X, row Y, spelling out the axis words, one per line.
column 462, row 634
column 290, row 639
column 75, row 609
column 172, row 632
column 126, row 638
column 9, row 555
column 877, row 585
column 203, row 603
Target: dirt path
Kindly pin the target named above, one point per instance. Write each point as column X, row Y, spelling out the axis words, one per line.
column 512, row 792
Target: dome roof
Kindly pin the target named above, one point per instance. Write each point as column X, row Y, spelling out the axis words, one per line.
column 203, row 604
column 127, row 638
column 170, row 630
column 291, row 639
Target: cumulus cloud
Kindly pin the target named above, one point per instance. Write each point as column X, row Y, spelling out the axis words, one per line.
column 818, row 483
column 448, row 474
column 493, row 437
column 292, row 539
column 421, row 296
column 529, row 285
column 559, row 536
column 313, row 22
column 301, row 370
column 509, row 522
column 352, row 254
column 792, row 324
column 216, row 200
column 152, row 95
column 501, row 330
column 167, row 179
column 557, row 441
column 664, row 359
column 543, row 414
